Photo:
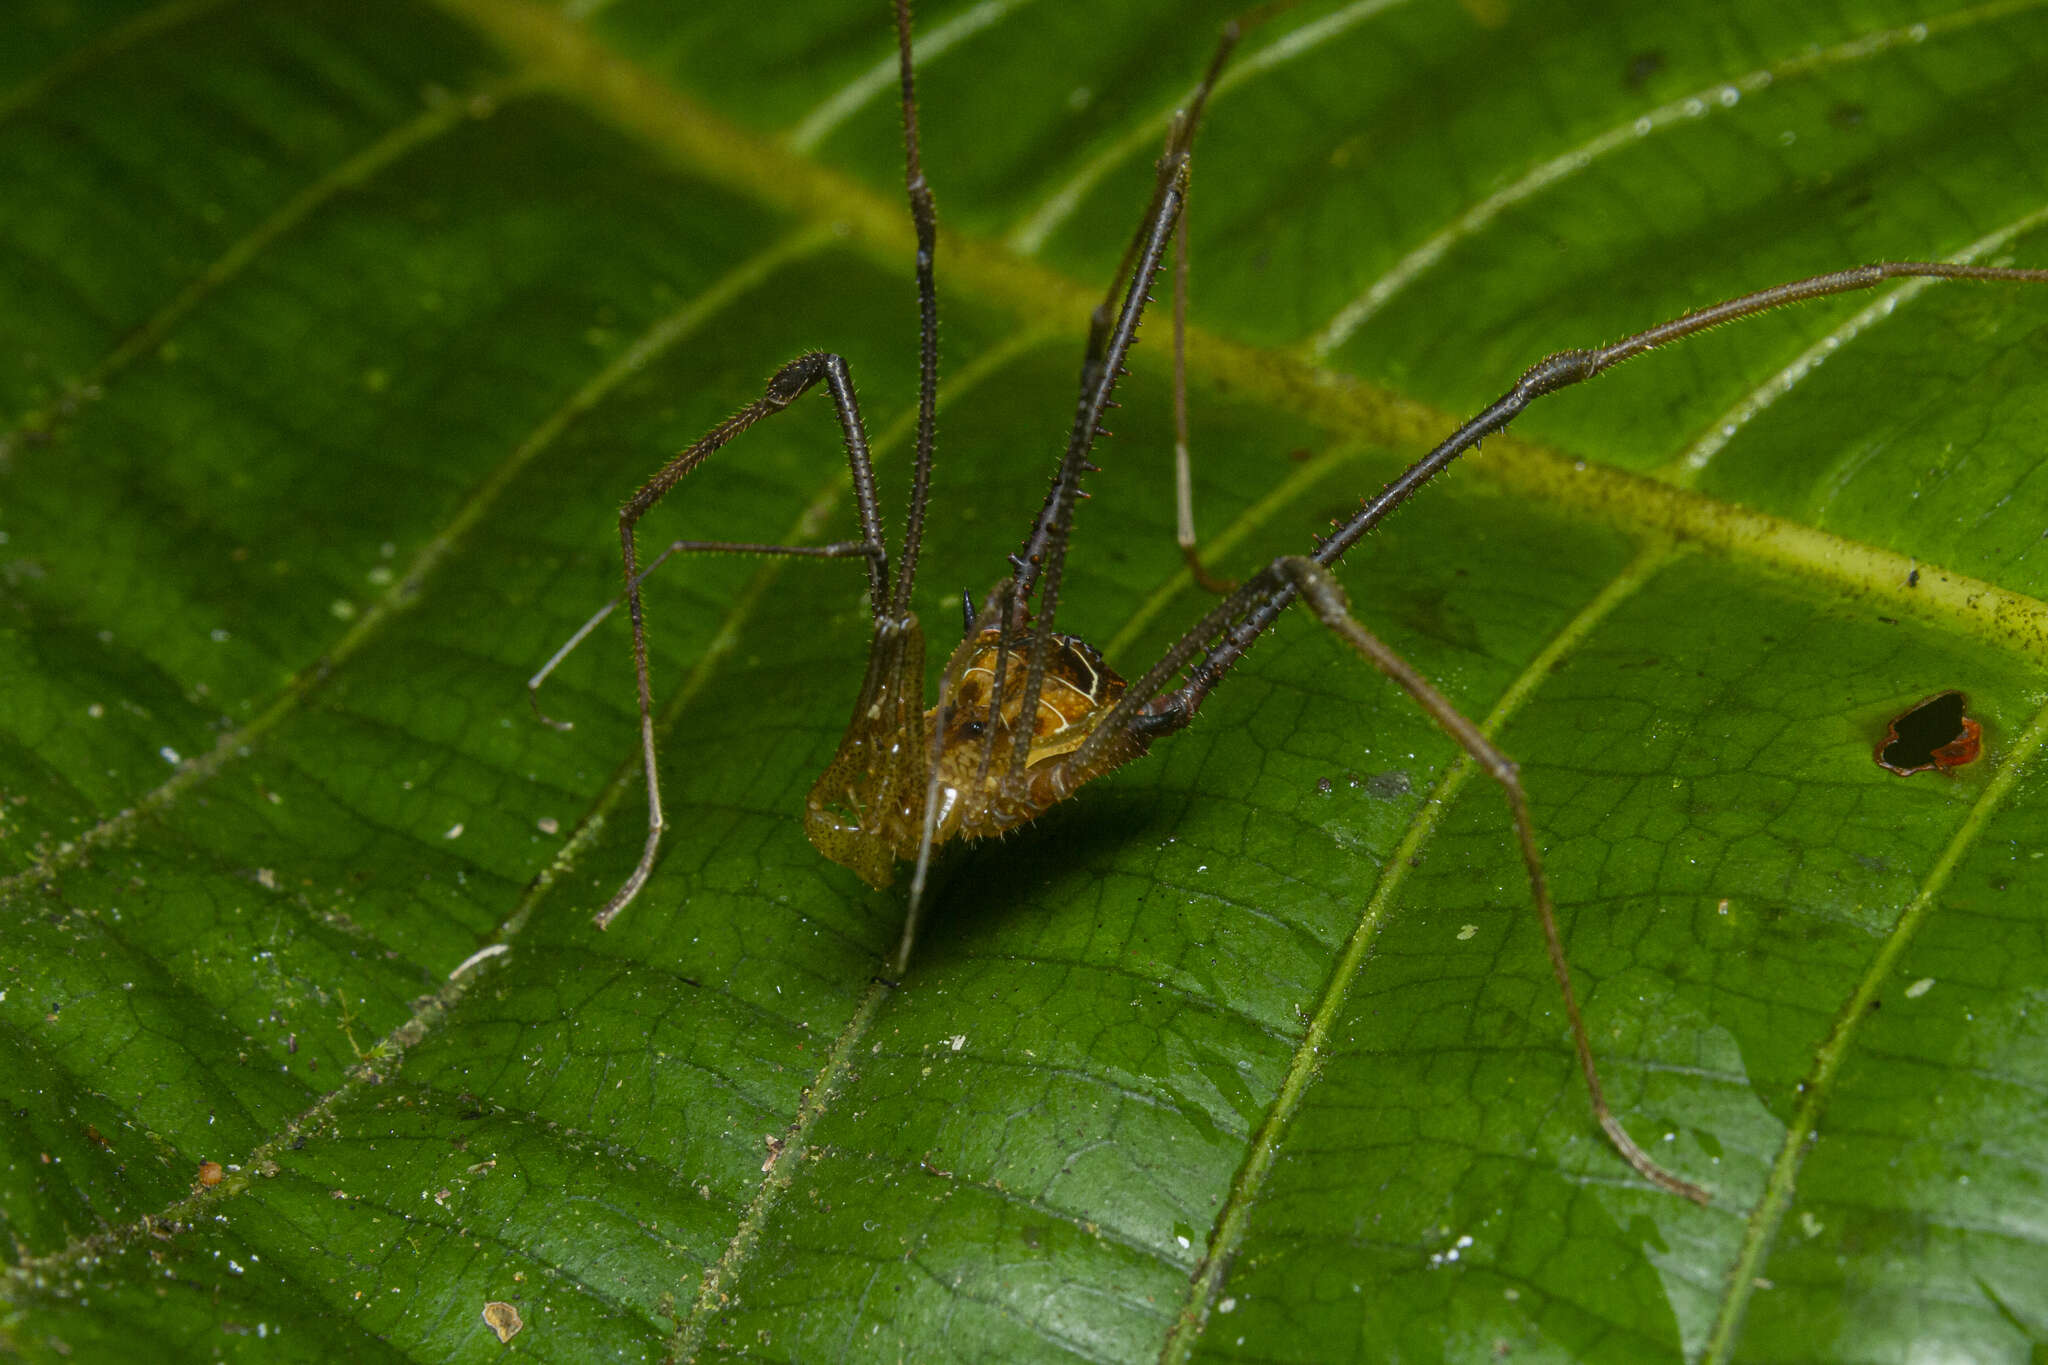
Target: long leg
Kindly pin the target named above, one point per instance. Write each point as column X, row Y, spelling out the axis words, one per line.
column 896, row 651
column 1131, row 725
column 1151, row 706
column 784, row 388
column 1221, row 637
column 924, row 220
column 1041, row 563
column 1326, row 599
column 1554, row 372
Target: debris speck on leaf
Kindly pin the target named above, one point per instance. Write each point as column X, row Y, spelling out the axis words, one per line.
column 502, row 1318
column 488, row 951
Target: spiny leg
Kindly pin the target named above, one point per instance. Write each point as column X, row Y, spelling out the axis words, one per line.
column 1326, row 599
column 784, row 388
column 1040, row 565
column 924, row 220
column 925, row 223
column 1180, row 140
column 1108, row 346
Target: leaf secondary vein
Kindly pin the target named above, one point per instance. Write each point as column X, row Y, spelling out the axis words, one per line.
column 382, row 1060
column 430, row 123
column 818, row 1097
column 148, row 24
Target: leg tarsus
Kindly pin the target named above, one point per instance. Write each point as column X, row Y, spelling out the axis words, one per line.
column 631, row 886
column 913, row 910
column 1650, row 1170
column 901, row 962
column 533, row 700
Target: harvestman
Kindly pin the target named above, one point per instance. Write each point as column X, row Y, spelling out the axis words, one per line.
column 906, row 778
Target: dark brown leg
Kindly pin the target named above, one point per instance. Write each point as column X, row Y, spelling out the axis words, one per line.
column 1040, row 565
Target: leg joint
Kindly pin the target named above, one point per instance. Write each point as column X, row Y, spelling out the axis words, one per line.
column 789, row 382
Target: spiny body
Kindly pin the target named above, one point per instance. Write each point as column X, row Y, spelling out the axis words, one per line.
column 867, row 811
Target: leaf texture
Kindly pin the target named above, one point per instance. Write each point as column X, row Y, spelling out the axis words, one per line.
column 333, row 334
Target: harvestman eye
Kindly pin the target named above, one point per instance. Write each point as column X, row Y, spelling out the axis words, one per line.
column 1026, row 715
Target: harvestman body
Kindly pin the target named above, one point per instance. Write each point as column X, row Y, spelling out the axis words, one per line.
column 907, row 778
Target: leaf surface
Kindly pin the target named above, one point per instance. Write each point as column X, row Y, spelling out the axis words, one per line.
column 332, row 335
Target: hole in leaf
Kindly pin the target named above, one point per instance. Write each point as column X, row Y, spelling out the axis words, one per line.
column 1933, row 734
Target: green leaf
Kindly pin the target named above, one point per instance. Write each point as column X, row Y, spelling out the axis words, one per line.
column 333, row 334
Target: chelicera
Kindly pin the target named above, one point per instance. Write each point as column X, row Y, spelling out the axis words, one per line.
column 1025, row 715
